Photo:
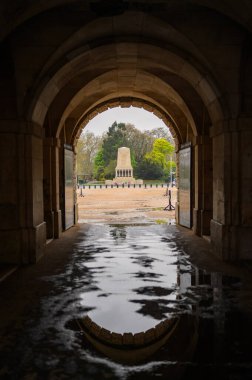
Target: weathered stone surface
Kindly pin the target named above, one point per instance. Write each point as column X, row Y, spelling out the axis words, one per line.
column 139, row 339
column 95, row 329
column 105, row 335
column 149, row 335
column 87, row 322
column 116, row 338
column 128, row 339
column 56, row 74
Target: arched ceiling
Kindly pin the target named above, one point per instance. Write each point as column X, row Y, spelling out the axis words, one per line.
column 13, row 12
column 126, row 50
column 127, row 69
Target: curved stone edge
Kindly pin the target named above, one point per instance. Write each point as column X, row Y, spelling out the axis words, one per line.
column 127, row 340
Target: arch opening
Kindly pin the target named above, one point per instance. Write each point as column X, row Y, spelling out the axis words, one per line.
column 182, row 118
column 179, row 93
column 124, row 151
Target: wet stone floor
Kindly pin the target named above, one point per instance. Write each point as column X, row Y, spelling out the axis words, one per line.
column 128, row 278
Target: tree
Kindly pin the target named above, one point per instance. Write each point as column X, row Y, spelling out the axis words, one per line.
column 109, row 170
column 147, row 169
column 146, row 151
column 139, row 142
column 160, row 153
column 114, row 139
column 87, row 148
column 99, row 165
column 164, row 133
column 160, row 156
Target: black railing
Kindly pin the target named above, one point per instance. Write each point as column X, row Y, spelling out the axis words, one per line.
column 124, row 185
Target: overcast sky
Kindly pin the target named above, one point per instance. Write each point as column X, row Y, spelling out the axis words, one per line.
column 140, row 118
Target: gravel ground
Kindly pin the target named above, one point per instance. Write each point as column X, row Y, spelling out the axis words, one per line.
column 125, row 205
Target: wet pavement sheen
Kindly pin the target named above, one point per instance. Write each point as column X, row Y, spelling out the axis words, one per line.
column 128, row 278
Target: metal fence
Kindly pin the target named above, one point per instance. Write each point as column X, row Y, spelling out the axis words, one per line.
column 145, row 186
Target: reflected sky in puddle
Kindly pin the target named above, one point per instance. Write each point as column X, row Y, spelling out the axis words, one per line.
column 129, row 278
column 139, row 276
column 137, row 268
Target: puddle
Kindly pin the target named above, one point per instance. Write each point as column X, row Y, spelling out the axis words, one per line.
column 128, row 278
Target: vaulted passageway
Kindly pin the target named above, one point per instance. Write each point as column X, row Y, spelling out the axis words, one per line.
column 188, row 63
column 133, row 83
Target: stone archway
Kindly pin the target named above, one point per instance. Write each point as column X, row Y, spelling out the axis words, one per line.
column 95, row 61
column 157, row 95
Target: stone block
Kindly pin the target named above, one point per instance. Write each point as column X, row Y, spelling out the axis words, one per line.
column 57, row 224
column 8, row 145
column 196, row 222
column 191, row 74
column 95, row 329
column 105, row 335
column 9, row 218
column 9, row 186
column 87, row 322
column 37, row 148
column 39, row 241
column 246, row 210
column 139, row 339
column 149, row 335
column 10, row 249
column 116, row 338
column 215, row 111
column 218, row 241
column 160, row 329
column 38, row 212
column 206, row 216
column 128, row 339
column 245, row 250
column 39, row 112
column 37, row 168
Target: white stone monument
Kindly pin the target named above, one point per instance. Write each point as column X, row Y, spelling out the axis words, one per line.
column 124, row 169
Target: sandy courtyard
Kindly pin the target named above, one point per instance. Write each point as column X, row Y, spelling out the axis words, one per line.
column 125, row 205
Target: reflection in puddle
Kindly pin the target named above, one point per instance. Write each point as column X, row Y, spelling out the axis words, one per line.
column 128, row 279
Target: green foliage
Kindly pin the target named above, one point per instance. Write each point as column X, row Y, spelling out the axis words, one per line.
column 99, row 173
column 139, row 142
column 157, row 160
column 99, row 165
column 150, row 152
column 161, row 221
column 160, row 153
column 87, row 148
column 99, row 159
column 109, row 171
column 115, row 139
column 147, row 169
column 133, row 160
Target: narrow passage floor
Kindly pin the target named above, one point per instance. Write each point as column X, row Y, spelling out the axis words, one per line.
column 127, row 278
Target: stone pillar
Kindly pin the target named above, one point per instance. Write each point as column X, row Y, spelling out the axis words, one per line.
column 22, row 226
column 203, row 185
column 231, row 226
column 197, row 185
column 243, row 171
column 47, row 188
column 76, row 217
column 51, row 187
